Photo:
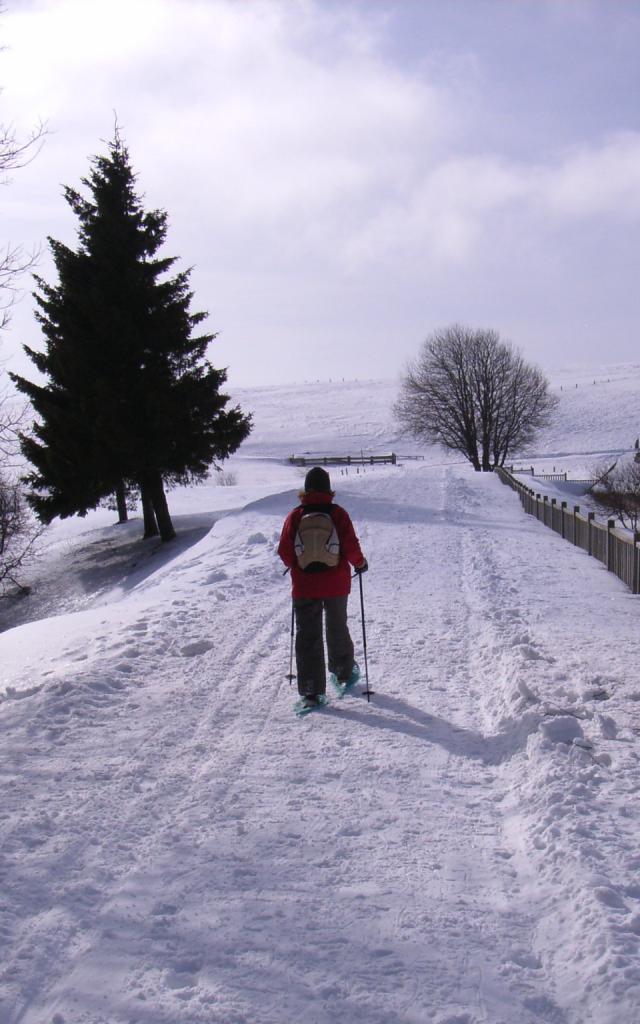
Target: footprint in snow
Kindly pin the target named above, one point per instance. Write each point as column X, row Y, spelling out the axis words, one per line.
column 199, row 647
column 525, row 958
column 562, row 729
column 598, row 693
column 216, row 577
column 164, row 909
column 608, row 727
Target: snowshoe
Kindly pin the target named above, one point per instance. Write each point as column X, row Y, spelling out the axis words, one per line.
column 342, row 686
column 306, row 705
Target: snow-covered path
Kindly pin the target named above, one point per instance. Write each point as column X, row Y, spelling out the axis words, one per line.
column 177, row 847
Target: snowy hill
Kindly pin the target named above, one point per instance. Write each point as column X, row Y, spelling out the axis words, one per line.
column 597, row 411
column 177, row 848
column 317, row 416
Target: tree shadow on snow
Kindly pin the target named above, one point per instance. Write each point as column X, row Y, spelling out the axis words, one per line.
column 83, row 571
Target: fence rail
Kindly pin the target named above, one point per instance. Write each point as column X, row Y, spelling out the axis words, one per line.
column 618, row 550
column 343, row 460
column 530, row 471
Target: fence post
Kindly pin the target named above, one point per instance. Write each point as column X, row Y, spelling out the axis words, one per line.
column 635, row 589
column 576, row 513
column 563, row 509
column 610, row 539
column 590, row 518
column 545, row 502
column 554, row 502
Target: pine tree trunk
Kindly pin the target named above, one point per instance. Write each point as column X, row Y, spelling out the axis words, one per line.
column 121, row 503
column 161, row 508
column 150, row 524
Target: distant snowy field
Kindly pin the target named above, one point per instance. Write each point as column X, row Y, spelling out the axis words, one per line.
column 177, row 848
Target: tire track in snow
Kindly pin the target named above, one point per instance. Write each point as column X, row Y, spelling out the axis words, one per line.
column 146, row 828
column 441, row 715
column 350, row 866
column 558, row 819
column 348, row 875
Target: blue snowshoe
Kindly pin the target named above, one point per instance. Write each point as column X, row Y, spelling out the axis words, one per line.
column 306, row 705
column 342, row 686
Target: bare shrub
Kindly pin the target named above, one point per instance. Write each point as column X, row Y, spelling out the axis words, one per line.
column 617, row 492
column 18, row 535
column 224, row 478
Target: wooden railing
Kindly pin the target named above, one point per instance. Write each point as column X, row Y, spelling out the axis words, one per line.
column 344, row 460
column 617, row 549
column 530, row 471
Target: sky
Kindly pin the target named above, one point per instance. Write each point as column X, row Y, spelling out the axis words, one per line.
column 346, row 176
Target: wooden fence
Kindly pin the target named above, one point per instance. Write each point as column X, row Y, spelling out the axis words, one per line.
column 530, row 471
column 617, row 549
column 343, row 460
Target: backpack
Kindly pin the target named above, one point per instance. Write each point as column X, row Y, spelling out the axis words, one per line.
column 316, row 543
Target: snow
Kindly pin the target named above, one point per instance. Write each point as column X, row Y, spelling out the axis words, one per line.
column 177, row 848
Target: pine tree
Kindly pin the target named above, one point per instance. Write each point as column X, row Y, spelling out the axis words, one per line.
column 131, row 398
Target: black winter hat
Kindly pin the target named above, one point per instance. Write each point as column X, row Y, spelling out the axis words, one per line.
column 317, row 479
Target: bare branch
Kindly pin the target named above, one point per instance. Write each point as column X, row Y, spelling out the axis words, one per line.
column 14, row 414
column 14, row 261
column 13, row 264
column 18, row 536
column 15, row 154
column 617, row 491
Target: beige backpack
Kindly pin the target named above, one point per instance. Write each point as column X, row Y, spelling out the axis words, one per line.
column 316, row 545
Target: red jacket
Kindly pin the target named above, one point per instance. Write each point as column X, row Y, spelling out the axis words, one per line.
column 334, row 582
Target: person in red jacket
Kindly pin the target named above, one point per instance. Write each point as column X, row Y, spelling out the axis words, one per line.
column 323, row 585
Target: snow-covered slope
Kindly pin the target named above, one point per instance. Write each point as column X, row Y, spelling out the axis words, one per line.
column 597, row 412
column 317, row 417
column 177, row 848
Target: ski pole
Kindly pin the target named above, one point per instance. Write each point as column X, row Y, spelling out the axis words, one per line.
column 364, row 640
column 291, row 675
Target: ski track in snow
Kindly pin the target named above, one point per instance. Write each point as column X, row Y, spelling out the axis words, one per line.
column 177, row 847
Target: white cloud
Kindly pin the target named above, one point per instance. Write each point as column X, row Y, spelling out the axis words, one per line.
column 451, row 212
column 266, row 115
column 597, row 181
column 291, row 145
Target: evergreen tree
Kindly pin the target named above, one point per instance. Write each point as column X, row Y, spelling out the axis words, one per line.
column 130, row 397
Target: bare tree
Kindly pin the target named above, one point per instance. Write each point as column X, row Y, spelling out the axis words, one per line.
column 617, row 491
column 14, row 260
column 18, row 528
column 18, row 536
column 473, row 393
column 13, row 416
column 524, row 405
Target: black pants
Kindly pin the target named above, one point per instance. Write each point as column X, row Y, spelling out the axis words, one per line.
column 310, row 664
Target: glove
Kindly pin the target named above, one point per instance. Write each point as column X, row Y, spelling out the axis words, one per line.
column 359, row 569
